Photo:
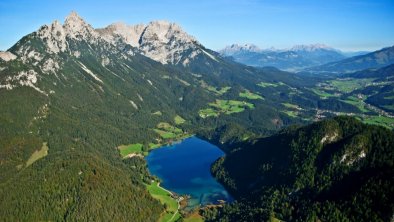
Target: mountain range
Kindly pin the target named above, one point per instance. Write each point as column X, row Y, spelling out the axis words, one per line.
column 292, row 59
column 315, row 58
column 71, row 94
column 375, row 60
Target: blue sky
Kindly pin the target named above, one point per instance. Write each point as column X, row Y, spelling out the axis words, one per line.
column 345, row 24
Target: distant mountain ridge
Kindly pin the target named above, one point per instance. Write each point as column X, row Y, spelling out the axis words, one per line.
column 381, row 73
column 293, row 59
column 237, row 48
column 377, row 59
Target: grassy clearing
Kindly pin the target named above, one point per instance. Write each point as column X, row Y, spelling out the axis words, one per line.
column 291, row 106
column 356, row 102
column 293, row 112
column 267, row 84
column 218, row 91
column 164, row 134
column 179, row 120
column 137, row 148
column 249, row 95
column 169, row 132
column 274, row 219
column 38, row 154
column 290, row 113
column 226, row 107
column 157, row 113
column 380, row 120
column 182, row 81
column 165, row 198
column 208, row 112
column 349, row 85
column 322, row 94
column 131, row 148
column 154, row 146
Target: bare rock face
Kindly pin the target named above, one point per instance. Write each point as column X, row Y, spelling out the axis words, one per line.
column 130, row 34
column 162, row 41
column 54, row 37
column 76, row 28
column 165, row 42
column 7, row 56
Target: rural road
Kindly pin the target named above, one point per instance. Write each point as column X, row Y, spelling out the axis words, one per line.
column 158, row 184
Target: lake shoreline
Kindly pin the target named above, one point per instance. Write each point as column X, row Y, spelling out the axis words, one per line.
column 185, row 174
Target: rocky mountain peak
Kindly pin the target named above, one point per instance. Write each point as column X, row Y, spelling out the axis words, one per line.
column 163, row 41
column 73, row 19
column 76, row 28
column 130, row 34
column 311, row 47
column 53, row 36
column 160, row 40
column 237, row 48
column 56, row 35
column 165, row 31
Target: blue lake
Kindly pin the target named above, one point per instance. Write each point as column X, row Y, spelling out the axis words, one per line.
column 184, row 168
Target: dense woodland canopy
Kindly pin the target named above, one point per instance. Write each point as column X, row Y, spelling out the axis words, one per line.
column 335, row 170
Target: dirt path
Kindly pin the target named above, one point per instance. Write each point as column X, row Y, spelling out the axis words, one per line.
column 158, row 185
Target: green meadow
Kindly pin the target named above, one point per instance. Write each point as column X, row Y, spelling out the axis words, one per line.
column 38, row 154
column 349, row 85
column 179, row 120
column 267, row 84
column 356, row 102
column 131, row 148
column 249, row 95
column 224, row 107
column 165, row 198
column 380, row 120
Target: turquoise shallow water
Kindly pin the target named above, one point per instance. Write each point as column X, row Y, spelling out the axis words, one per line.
column 184, row 168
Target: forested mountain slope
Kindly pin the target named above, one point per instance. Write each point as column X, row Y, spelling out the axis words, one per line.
column 69, row 97
column 375, row 60
column 382, row 73
column 334, row 170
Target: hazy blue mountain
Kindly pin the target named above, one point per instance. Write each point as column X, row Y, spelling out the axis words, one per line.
column 293, row 59
column 355, row 53
column 381, row 73
column 374, row 60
